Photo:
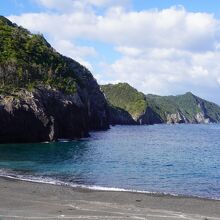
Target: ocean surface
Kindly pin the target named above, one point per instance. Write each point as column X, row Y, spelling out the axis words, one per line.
column 173, row 159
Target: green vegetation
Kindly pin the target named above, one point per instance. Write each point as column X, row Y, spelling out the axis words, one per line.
column 188, row 104
column 27, row 60
column 124, row 96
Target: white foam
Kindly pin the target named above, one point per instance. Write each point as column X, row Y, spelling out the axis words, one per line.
column 64, row 140
column 47, row 180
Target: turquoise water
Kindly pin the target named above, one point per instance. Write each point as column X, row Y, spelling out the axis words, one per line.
column 179, row 159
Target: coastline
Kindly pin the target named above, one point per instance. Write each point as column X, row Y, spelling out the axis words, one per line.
column 51, row 181
column 29, row 200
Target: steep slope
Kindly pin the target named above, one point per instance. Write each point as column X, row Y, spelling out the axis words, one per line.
column 125, row 97
column 186, row 108
column 119, row 116
column 154, row 109
column 44, row 95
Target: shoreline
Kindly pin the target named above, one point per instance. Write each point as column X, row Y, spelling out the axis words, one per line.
column 104, row 188
column 29, row 200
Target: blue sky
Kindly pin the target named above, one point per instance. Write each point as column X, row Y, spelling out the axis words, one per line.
column 8, row 7
column 161, row 46
column 211, row 6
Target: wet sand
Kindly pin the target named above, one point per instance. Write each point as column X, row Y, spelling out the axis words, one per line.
column 26, row 200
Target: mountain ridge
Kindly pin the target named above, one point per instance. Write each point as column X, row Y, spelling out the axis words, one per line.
column 186, row 108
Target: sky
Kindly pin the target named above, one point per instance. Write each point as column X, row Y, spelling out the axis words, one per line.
column 164, row 47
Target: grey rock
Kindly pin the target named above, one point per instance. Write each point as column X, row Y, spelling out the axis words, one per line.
column 118, row 116
column 201, row 118
column 176, row 118
column 91, row 94
column 149, row 117
column 47, row 114
column 42, row 115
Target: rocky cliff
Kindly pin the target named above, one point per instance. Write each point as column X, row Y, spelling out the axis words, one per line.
column 186, row 108
column 119, row 116
column 44, row 96
column 153, row 109
column 42, row 115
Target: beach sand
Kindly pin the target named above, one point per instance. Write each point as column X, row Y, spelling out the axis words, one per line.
column 27, row 200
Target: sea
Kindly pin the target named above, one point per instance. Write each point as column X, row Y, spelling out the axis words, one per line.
column 164, row 159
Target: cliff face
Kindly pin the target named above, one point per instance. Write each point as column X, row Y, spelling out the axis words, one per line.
column 118, row 116
column 149, row 117
column 180, row 118
column 176, row 118
column 47, row 114
column 92, row 97
column 44, row 96
column 153, row 109
column 186, row 108
column 42, row 115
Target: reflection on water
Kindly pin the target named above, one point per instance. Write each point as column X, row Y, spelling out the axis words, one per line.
column 47, row 153
column 183, row 159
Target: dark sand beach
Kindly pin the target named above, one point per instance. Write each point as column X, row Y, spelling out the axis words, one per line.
column 27, row 200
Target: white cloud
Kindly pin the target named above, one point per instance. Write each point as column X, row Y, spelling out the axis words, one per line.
column 163, row 75
column 78, row 53
column 64, row 46
column 166, row 51
column 131, row 51
column 169, row 28
column 67, row 6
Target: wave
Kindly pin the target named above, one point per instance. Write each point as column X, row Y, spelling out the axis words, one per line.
column 48, row 180
column 53, row 181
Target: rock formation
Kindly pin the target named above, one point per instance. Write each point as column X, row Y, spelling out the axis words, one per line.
column 44, row 96
column 153, row 109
